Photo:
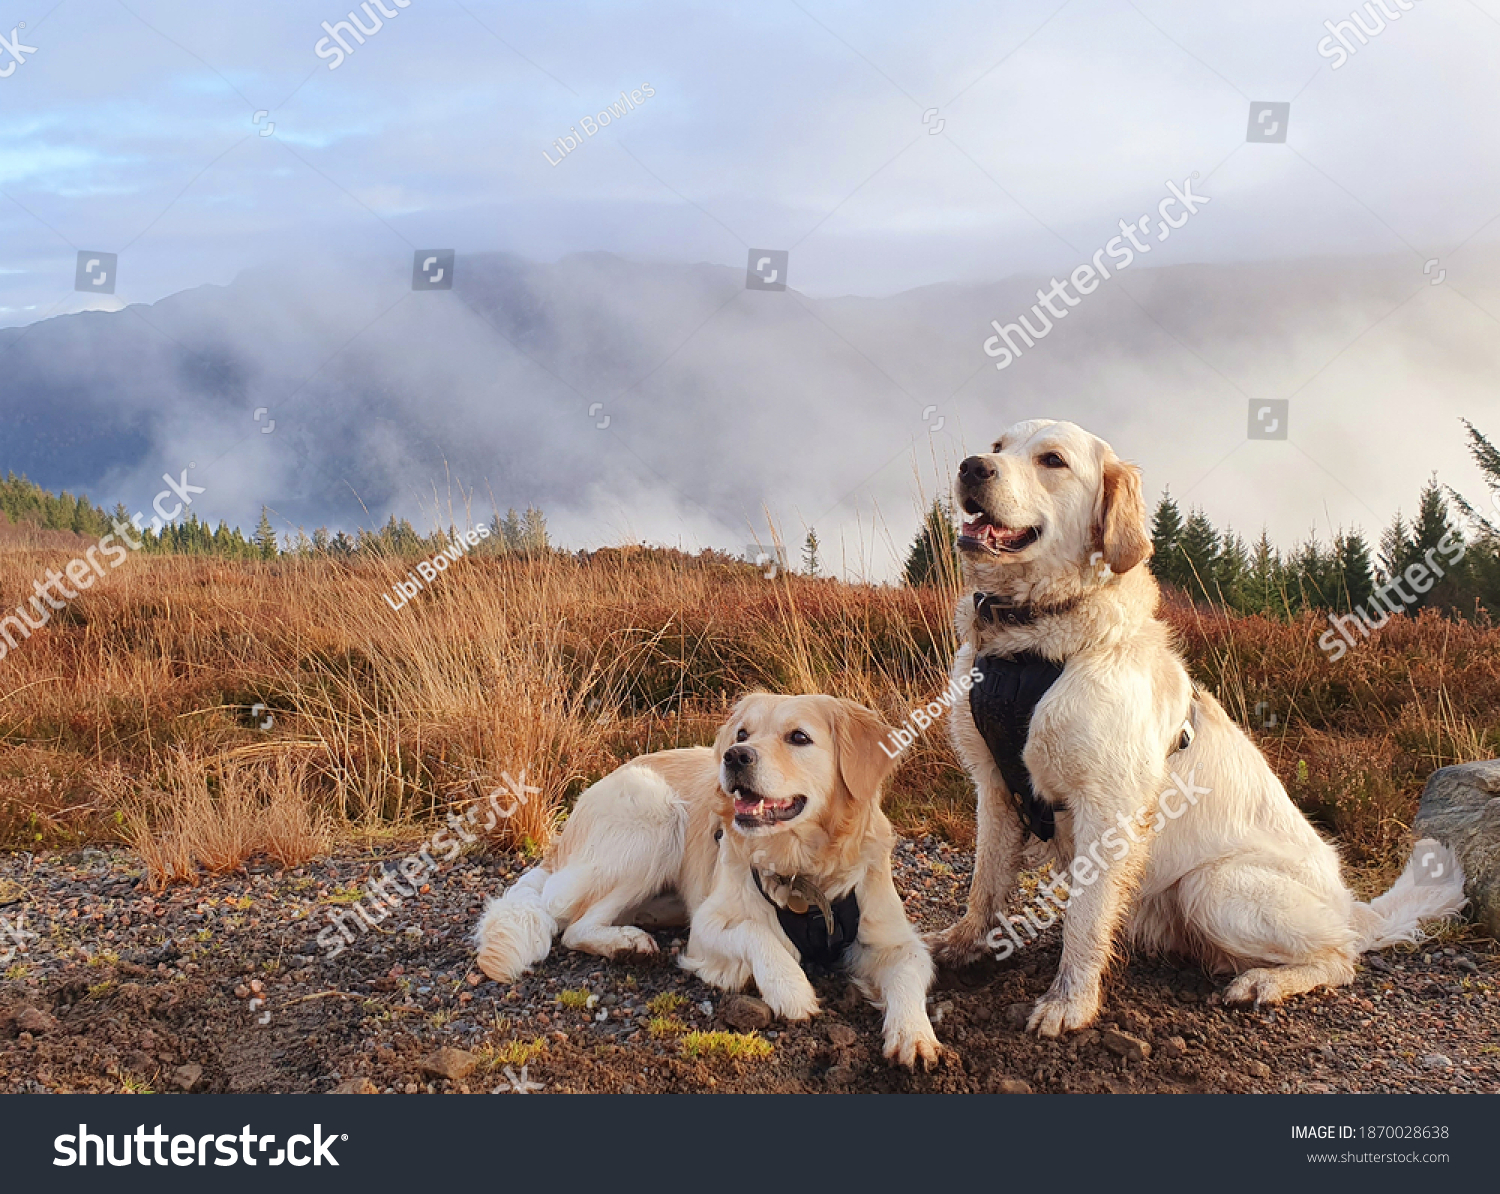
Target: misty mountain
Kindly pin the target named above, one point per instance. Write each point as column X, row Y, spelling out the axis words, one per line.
column 720, row 401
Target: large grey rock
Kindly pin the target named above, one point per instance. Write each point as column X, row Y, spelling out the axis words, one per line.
column 1461, row 808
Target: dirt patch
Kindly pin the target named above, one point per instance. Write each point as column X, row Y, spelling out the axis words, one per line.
column 223, row 987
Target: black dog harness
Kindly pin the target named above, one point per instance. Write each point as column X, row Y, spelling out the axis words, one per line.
column 820, row 933
column 1002, row 705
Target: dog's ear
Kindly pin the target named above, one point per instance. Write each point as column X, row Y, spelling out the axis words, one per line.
column 1120, row 530
column 861, row 734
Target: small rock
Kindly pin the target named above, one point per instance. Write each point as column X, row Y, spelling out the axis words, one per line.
column 747, row 1013
column 1136, row 1022
column 943, row 1009
column 1173, row 1046
column 35, row 1021
column 1011, row 1086
column 1437, row 1061
column 1122, row 1044
column 449, row 1062
column 187, row 1076
column 1017, row 1014
column 1257, row 1069
column 706, row 1007
column 842, row 1036
column 355, row 1086
column 841, row 1074
column 1466, row 964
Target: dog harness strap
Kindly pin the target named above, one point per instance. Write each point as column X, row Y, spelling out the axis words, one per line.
column 820, row 948
column 1002, row 705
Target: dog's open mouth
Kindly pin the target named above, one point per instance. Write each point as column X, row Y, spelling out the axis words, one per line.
column 982, row 533
column 751, row 810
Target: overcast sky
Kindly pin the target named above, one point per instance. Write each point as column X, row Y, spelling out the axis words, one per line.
column 135, row 128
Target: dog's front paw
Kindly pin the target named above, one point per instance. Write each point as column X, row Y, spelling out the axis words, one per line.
column 789, row 999
column 906, row 1044
column 728, row 974
column 959, row 945
column 1261, row 986
column 1058, row 1012
column 632, row 940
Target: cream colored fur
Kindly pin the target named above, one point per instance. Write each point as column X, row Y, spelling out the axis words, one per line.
column 1239, row 880
column 648, row 828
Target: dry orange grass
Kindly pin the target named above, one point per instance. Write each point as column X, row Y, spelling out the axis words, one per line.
column 129, row 715
column 1355, row 740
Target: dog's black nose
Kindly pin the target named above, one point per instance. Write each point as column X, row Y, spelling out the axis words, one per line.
column 739, row 758
column 975, row 469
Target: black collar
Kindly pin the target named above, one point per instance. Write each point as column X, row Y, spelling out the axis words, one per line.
column 1001, row 610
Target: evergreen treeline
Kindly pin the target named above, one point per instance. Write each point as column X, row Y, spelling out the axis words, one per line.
column 23, row 501
column 1337, row 576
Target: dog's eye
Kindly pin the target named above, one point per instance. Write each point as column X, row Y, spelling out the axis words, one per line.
column 999, row 446
column 742, row 735
column 1052, row 460
column 798, row 738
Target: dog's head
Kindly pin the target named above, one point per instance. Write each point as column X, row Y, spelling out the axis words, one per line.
column 796, row 763
column 1049, row 498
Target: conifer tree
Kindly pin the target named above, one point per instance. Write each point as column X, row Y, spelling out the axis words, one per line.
column 1199, row 548
column 265, row 536
column 934, row 554
column 1166, row 533
column 1355, row 576
column 534, row 530
column 811, row 565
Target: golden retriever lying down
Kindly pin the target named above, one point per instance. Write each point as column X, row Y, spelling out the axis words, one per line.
column 1177, row 830
column 785, row 807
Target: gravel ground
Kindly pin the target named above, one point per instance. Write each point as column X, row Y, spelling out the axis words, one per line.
column 222, row 987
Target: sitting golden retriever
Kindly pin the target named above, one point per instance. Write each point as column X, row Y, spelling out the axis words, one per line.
column 774, row 841
column 1167, row 818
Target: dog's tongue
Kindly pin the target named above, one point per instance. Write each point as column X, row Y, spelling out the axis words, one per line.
column 990, row 534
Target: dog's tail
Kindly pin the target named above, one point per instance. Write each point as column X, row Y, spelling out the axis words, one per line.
column 516, row 930
column 1430, row 888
